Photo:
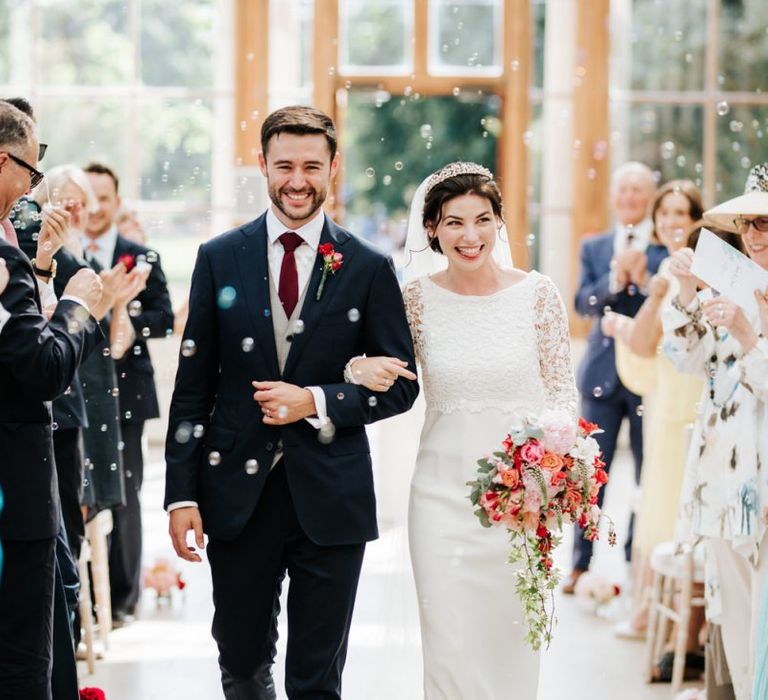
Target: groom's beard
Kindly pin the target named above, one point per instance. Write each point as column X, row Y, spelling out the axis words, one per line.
column 311, row 205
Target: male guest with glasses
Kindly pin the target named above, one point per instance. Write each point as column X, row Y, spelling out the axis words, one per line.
column 38, row 360
column 152, row 317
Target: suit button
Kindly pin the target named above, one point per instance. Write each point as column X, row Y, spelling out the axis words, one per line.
column 270, row 447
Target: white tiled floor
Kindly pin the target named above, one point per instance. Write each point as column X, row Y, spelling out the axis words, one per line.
column 168, row 653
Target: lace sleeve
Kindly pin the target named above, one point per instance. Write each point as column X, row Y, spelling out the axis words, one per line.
column 413, row 310
column 551, row 323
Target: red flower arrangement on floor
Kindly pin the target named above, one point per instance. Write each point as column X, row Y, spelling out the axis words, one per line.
column 549, row 472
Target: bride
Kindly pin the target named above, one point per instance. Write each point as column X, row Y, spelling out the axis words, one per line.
column 493, row 346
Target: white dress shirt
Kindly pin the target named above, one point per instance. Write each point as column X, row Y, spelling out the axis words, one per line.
column 4, row 316
column 641, row 238
column 101, row 249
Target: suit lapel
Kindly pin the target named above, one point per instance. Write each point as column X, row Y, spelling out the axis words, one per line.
column 313, row 309
column 251, row 261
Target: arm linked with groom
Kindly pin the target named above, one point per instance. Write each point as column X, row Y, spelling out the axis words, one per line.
column 266, row 449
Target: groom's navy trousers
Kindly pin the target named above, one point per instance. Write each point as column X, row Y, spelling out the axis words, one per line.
column 310, row 514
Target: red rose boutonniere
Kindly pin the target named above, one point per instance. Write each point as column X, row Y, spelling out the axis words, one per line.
column 92, row 694
column 331, row 263
column 128, row 260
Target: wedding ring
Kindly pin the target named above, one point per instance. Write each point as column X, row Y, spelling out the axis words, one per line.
column 269, row 413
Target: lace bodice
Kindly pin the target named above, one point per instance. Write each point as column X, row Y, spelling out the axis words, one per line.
column 509, row 350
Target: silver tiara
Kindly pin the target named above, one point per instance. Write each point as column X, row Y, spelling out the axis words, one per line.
column 454, row 169
column 757, row 181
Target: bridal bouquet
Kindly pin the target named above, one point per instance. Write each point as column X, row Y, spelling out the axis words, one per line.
column 548, row 472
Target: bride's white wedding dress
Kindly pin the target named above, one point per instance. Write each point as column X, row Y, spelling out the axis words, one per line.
column 485, row 362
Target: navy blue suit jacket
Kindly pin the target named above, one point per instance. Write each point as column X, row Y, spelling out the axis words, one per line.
column 38, row 359
column 135, row 374
column 331, row 484
column 598, row 367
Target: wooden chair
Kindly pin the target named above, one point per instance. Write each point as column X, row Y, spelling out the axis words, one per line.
column 675, row 570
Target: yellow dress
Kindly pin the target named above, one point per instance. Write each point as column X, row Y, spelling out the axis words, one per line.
column 673, row 397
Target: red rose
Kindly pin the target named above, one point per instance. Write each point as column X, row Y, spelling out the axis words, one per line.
column 586, row 427
column 92, row 694
column 128, row 261
column 325, row 249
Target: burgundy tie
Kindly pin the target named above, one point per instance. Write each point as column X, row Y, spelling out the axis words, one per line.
column 288, row 291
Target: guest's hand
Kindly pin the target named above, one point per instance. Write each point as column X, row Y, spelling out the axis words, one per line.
column 283, row 403
column 625, row 265
column 762, row 306
column 380, row 373
column 4, row 276
column 86, row 285
column 113, row 281
column 658, row 287
column 53, row 234
column 723, row 313
column 133, row 284
column 182, row 520
column 680, row 266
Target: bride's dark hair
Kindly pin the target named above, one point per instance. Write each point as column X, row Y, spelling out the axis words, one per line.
column 456, row 187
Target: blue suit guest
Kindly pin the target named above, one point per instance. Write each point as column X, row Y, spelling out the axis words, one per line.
column 615, row 267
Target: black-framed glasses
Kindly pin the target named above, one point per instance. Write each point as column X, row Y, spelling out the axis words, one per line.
column 36, row 177
column 742, row 224
column 41, row 149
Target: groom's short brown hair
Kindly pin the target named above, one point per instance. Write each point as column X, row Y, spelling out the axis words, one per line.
column 299, row 120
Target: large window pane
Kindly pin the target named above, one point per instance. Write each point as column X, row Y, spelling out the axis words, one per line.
column 668, row 139
column 177, row 42
column 668, row 44
column 465, row 36
column 376, row 36
column 743, row 44
column 741, row 143
column 80, row 131
column 392, row 144
column 176, row 142
column 85, row 43
column 290, row 52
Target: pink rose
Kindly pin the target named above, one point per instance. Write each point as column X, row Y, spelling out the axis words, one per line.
column 559, row 431
column 532, row 452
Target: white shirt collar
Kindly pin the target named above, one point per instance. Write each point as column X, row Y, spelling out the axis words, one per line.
column 106, row 242
column 310, row 231
column 642, row 231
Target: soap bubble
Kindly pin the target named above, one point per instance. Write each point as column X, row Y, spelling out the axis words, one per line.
column 188, row 348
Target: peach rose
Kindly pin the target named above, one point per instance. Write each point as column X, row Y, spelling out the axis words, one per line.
column 510, row 478
column 550, row 460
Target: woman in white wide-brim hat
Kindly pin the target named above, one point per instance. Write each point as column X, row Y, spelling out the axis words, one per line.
column 725, row 492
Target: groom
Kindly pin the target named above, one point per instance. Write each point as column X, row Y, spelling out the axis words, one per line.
column 266, row 450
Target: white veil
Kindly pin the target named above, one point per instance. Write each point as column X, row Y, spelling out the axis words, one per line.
column 421, row 260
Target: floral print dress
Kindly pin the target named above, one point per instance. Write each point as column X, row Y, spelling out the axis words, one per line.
column 725, row 488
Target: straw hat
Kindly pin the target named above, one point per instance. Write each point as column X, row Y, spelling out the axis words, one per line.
column 754, row 202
